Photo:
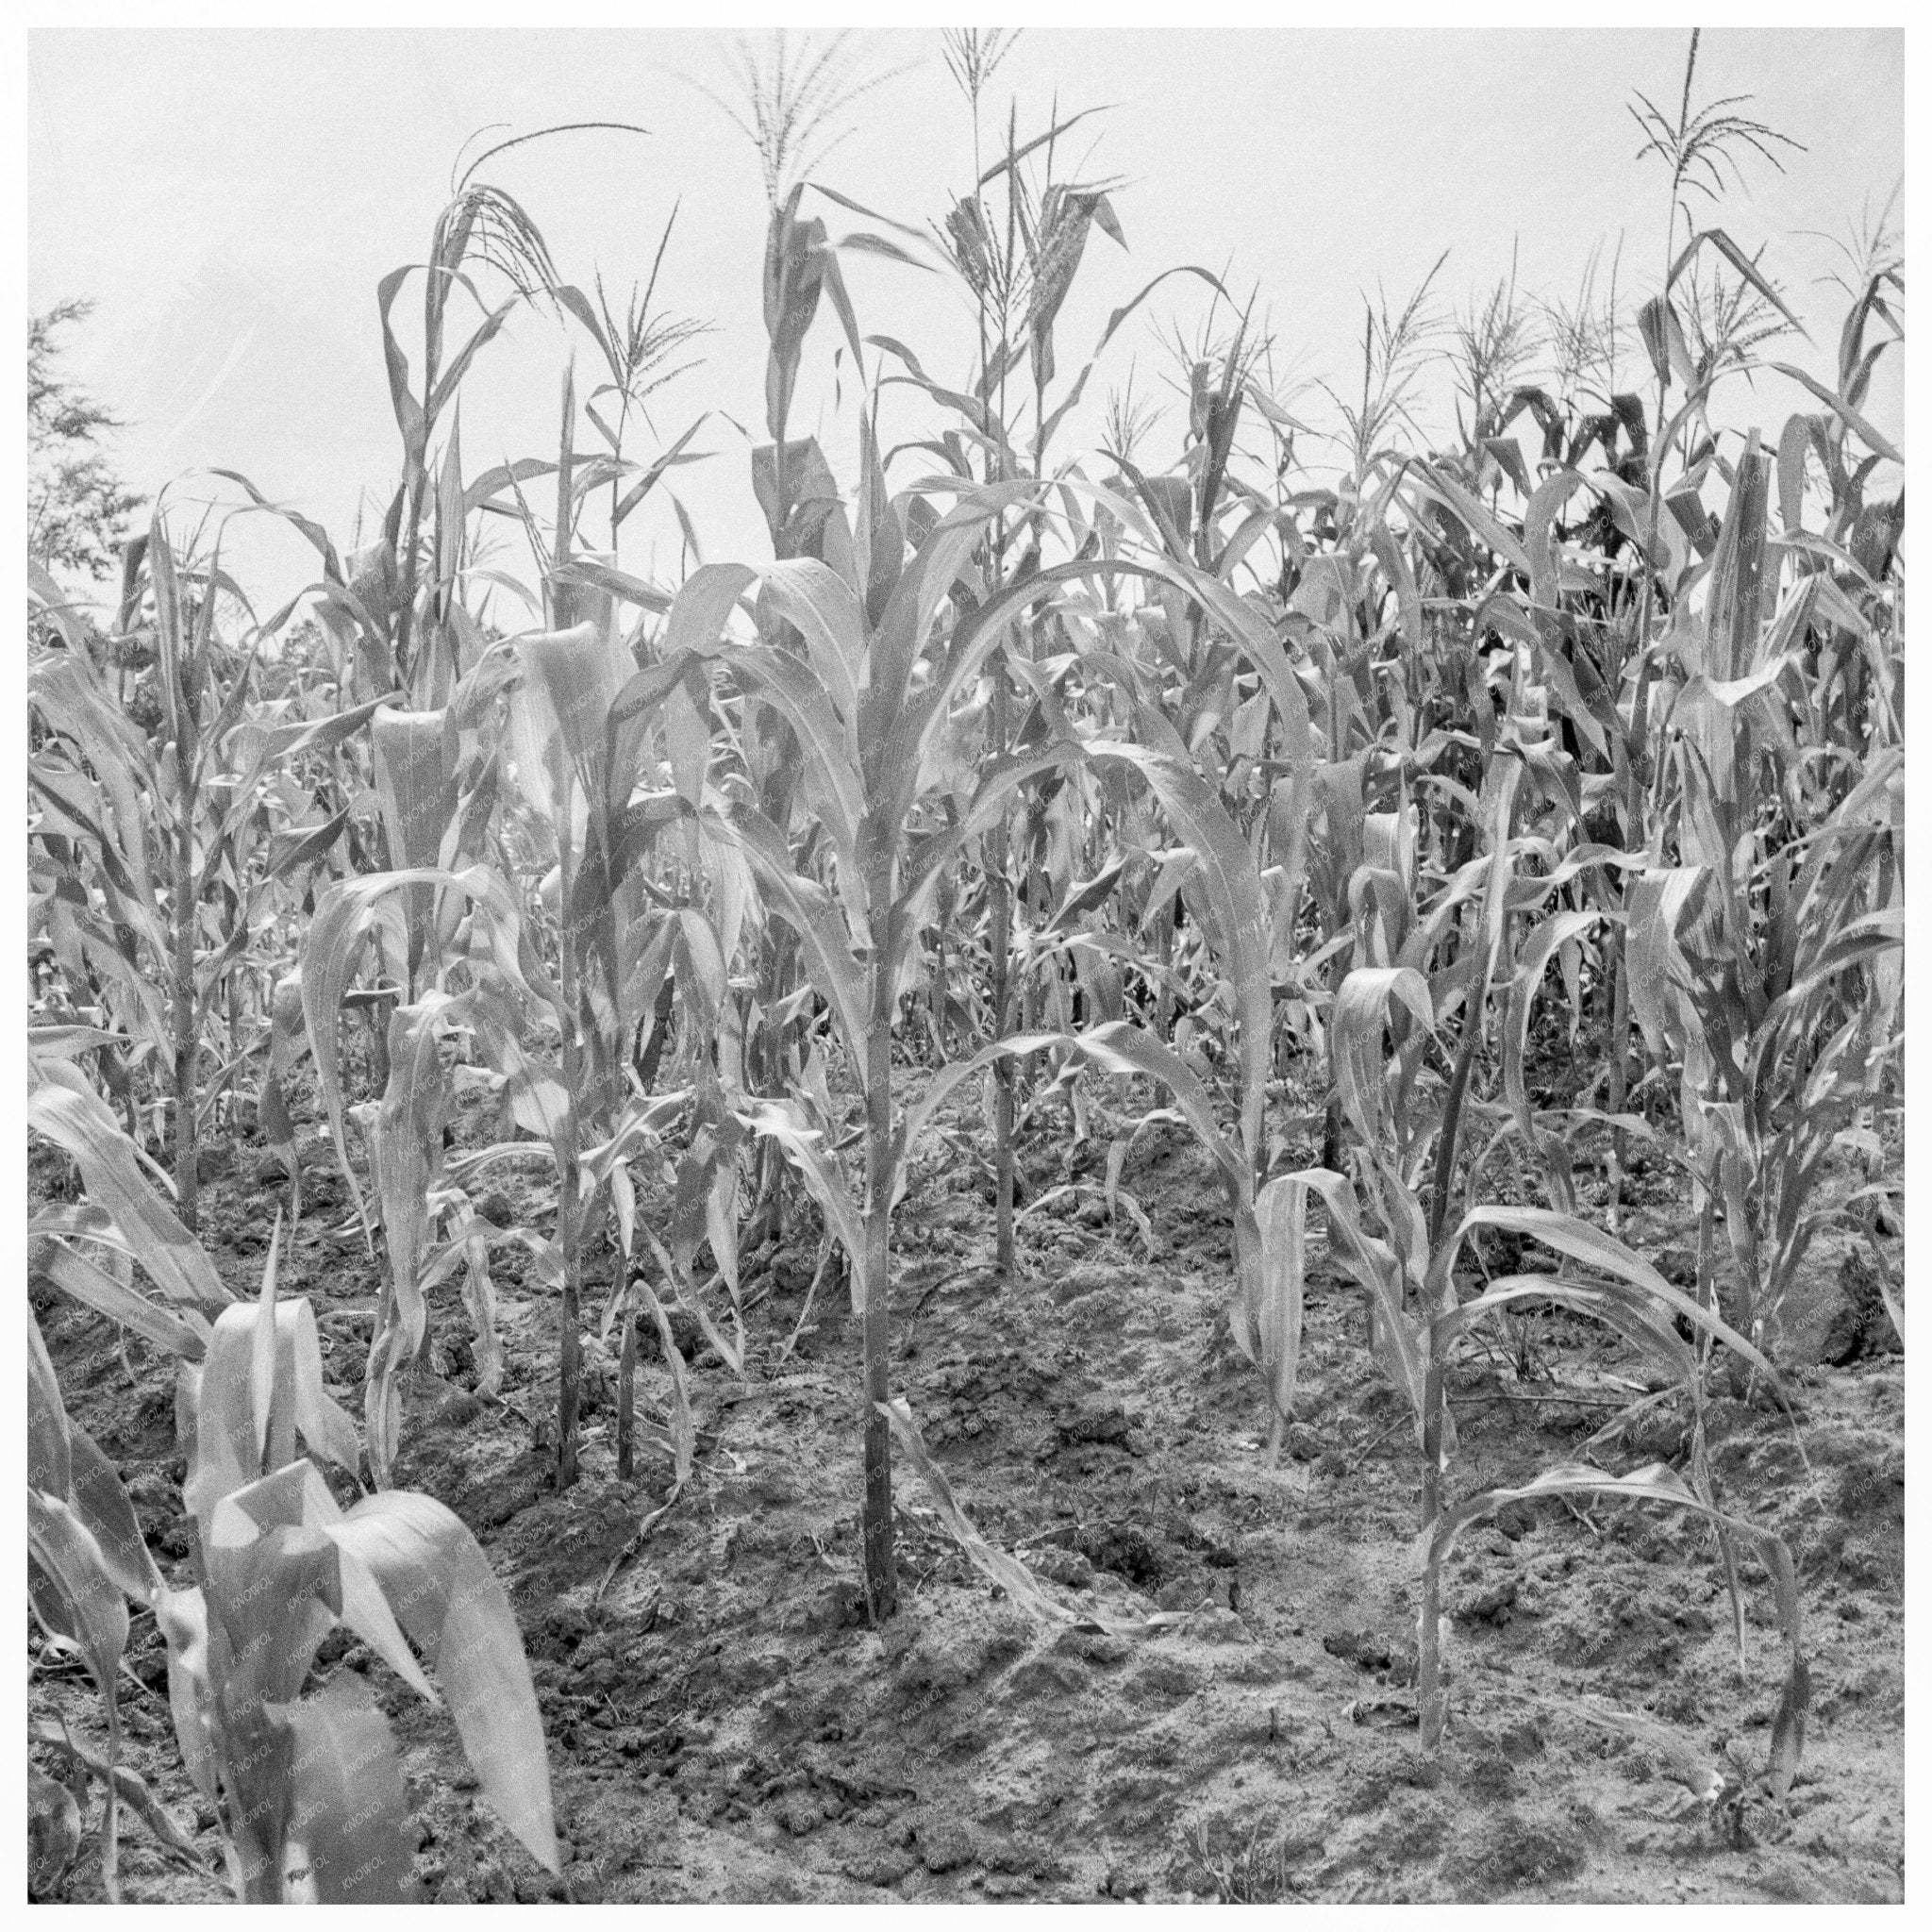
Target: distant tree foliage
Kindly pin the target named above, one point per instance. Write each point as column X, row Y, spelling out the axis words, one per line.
column 76, row 503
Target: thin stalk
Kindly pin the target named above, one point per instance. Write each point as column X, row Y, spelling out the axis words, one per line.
column 626, row 1394
column 616, row 469
column 416, row 480
column 1000, row 943
column 569, row 1219
column 936, row 998
column 406, row 585
column 1619, row 1070
column 233, row 992
column 1164, row 942
column 569, row 1205
column 1431, row 1700
column 1331, row 1133
column 1639, row 773
column 998, row 841
column 187, row 1035
column 881, row 1578
column 778, row 961
column 1033, row 897
column 1451, row 1113
column 1492, row 944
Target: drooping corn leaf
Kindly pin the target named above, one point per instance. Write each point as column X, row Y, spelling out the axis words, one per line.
column 1595, row 1249
column 87, row 1604
column 822, row 607
column 1401, row 1340
column 182, row 1618
column 561, row 715
column 408, row 1152
column 802, row 1145
column 446, row 1595
column 52, row 1260
column 63, row 1107
column 918, row 1117
column 810, row 912
column 829, row 768
column 1611, row 1304
column 1658, row 1482
column 49, row 1441
column 1008, row 1572
column 1656, row 903
column 1234, row 891
column 295, row 1497
column 104, row 1505
column 129, row 1786
column 1270, row 1334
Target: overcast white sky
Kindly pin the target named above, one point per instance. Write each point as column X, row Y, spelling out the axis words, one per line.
column 230, row 200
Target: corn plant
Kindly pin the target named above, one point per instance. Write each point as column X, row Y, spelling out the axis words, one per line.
column 1622, row 1290
column 406, row 1131
column 448, row 782
column 400, row 647
column 582, row 714
column 635, row 350
column 90, row 1251
column 1407, row 1268
column 1780, row 1046
column 1027, row 775
column 85, row 1558
column 578, row 720
column 1018, row 261
column 307, row 1791
column 866, row 734
column 1765, row 961
column 1405, row 1258
column 152, row 874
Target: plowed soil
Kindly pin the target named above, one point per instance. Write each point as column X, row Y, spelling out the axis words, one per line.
column 723, row 1726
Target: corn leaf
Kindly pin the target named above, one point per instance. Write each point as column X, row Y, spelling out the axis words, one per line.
column 447, row 1596
column 1364, row 1006
column 1402, row 1343
column 1239, row 905
column 1008, row 1572
column 1658, row 1483
column 67, row 1111
column 1270, row 1334
column 49, row 1451
column 1883, row 445
column 87, row 1604
column 784, row 1122
column 809, row 910
column 102, row 1505
column 1604, row 1253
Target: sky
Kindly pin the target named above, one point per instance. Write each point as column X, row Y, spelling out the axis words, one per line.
column 229, row 201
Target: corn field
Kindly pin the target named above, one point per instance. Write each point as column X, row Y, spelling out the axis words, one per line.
column 1164, row 1163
